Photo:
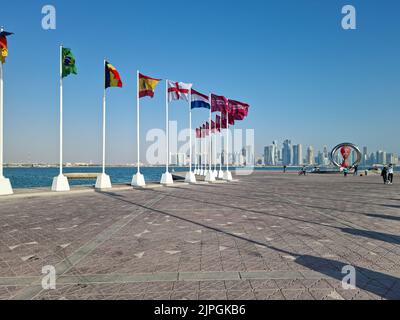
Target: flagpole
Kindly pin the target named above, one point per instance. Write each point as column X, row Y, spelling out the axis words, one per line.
column 167, row 177
column 210, row 176
column 227, row 174
column 5, row 185
column 190, row 177
column 138, row 178
column 104, row 122
column 61, row 114
column 220, row 173
column 60, row 183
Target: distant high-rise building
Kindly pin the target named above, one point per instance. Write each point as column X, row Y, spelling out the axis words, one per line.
column 297, row 155
column 381, row 157
column 310, row 156
column 365, row 157
column 287, row 153
column 270, row 155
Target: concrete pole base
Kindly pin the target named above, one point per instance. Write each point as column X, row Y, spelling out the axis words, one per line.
column 138, row 180
column 209, row 176
column 220, row 174
column 60, row 184
column 5, row 187
column 103, row 182
column 190, row 178
column 228, row 176
column 167, row 178
column 201, row 173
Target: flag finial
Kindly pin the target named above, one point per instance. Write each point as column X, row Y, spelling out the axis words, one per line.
column 1, row 28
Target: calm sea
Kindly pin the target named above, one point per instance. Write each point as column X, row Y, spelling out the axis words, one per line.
column 43, row 177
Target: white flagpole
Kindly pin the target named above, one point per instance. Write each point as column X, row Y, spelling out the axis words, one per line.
column 61, row 114
column 167, row 177
column 195, row 154
column 138, row 178
column 190, row 177
column 60, row 183
column 5, row 185
column 210, row 176
column 104, row 122
column 1, row 118
column 227, row 173
column 220, row 141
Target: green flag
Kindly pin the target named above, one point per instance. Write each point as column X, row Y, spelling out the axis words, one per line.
column 68, row 63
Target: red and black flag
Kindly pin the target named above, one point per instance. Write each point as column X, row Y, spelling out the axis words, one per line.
column 3, row 45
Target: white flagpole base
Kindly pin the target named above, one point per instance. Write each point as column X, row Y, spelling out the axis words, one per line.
column 166, row 178
column 138, row 180
column 215, row 173
column 5, row 187
column 210, row 176
column 103, row 182
column 190, row 178
column 201, row 173
column 220, row 174
column 60, row 184
column 228, row 176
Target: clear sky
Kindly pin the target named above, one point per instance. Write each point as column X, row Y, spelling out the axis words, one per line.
column 305, row 77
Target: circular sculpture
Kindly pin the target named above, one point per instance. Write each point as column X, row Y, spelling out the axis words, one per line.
column 345, row 150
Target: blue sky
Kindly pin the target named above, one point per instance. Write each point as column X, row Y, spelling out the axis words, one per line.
column 305, row 77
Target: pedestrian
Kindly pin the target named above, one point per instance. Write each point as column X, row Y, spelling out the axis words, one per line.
column 390, row 174
column 384, row 174
column 345, row 172
column 284, row 169
column 356, row 170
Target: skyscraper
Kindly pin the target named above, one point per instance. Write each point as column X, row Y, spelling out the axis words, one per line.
column 287, row 153
column 310, row 156
column 297, row 155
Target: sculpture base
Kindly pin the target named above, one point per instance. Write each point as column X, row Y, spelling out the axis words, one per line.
column 228, row 176
column 190, row 177
column 167, row 178
column 60, row 184
column 5, row 187
column 138, row 180
column 103, row 182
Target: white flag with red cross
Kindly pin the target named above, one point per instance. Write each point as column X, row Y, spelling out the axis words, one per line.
column 179, row 91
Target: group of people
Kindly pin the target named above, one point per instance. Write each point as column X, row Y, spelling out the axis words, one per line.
column 387, row 174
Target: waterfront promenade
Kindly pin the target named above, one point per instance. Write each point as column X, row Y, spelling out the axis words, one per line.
column 265, row 236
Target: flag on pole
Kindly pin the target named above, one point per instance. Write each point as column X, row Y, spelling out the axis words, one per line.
column 68, row 63
column 3, row 45
column 205, row 133
column 238, row 110
column 147, row 86
column 219, row 103
column 178, row 90
column 213, row 126
column 231, row 120
column 199, row 100
column 112, row 77
column 218, row 123
column 198, row 133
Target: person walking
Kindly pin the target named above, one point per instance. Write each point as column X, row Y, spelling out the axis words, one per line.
column 345, row 172
column 390, row 172
column 384, row 174
column 356, row 170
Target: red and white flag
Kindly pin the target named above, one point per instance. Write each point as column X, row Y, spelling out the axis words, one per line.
column 178, row 91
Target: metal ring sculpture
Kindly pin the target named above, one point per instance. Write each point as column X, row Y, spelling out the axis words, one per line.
column 345, row 149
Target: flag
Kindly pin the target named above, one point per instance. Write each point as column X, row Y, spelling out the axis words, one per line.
column 147, row 86
column 198, row 133
column 178, row 91
column 218, row 123
column 231, row 120
column 68, row 63
column 238, row 110
column 213, row 126
column 219, row 103
column 112, row 77
column 205, row 130
column 3, row 45
column 199, row 100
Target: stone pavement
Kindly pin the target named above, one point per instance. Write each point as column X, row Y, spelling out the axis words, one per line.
column 266, row 236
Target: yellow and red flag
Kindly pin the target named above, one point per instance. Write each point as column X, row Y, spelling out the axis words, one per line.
column 3, row 45
column 112, row 78
column 147, row 86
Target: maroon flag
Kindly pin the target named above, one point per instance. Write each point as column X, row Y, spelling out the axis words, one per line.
column 218, row 123
column 205, row 130
column 219, row 103
column 213, row 126
column 198, row 133
column 238, row 110
column 231, row 120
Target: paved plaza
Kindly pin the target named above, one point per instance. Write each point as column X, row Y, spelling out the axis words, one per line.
column 264, row 236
